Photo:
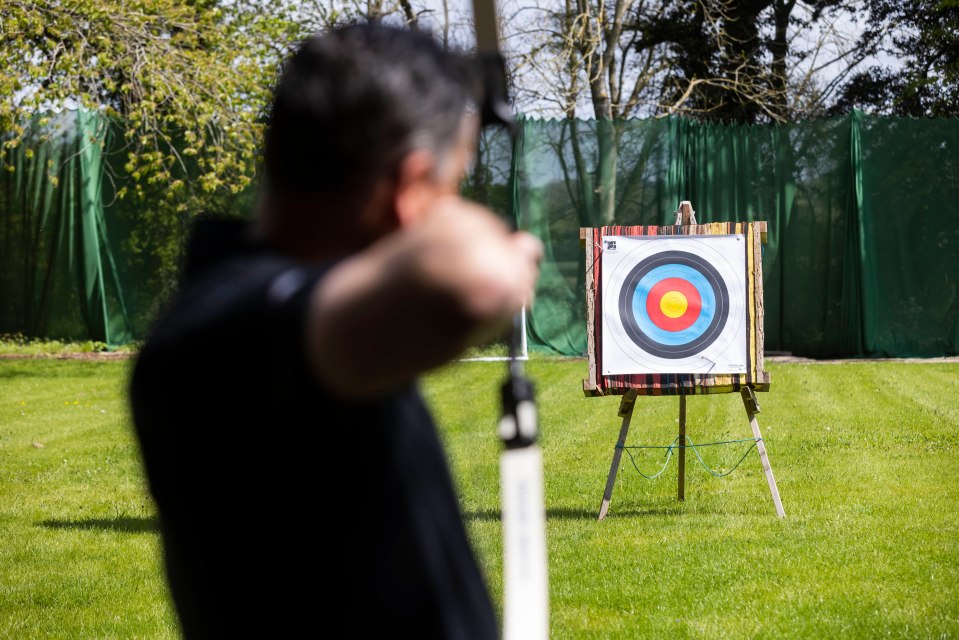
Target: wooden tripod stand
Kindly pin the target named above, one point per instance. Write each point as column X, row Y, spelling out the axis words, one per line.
column 626, row 406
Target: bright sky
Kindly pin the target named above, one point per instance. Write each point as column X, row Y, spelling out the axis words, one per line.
column 832, row 46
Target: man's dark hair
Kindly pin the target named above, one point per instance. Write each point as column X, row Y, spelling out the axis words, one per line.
column 351, row 102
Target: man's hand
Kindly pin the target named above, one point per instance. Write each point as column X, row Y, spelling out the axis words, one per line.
column 418, row 298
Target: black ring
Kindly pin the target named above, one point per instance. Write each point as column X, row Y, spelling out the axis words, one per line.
column 675, row 351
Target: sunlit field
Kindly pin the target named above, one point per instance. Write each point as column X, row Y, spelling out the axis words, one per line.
column 866, row 457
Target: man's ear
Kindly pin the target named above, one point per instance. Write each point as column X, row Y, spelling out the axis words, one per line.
column 415, row 187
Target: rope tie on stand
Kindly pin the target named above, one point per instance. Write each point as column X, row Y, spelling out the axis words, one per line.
column 691, row 445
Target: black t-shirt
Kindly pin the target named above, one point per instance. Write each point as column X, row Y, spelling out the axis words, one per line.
column 285, row 511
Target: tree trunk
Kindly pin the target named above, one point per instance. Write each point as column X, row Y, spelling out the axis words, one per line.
column 604, row 190
column 607, row 163
column 779, row 48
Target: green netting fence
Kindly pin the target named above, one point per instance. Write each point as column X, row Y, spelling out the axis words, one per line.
column 863, row 251
column 58, row 271
column 862, row 258
column 77, row 261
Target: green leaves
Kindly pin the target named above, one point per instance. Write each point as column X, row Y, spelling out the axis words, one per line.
column 175, row 90
column 186, row 81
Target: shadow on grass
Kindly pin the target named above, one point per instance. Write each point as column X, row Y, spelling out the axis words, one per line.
column 587, row 514
column 123, row 524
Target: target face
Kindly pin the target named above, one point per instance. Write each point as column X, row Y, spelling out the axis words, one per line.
column 674, row 304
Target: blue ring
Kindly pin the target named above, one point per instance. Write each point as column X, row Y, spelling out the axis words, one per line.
column 682, row 272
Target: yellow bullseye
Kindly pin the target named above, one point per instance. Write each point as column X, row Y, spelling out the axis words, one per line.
column 673, row 304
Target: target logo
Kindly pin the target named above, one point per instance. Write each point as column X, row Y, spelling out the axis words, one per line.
column 675, row 305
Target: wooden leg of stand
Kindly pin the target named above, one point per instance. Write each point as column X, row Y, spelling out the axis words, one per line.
column 682, row 448
column 626, row 413
column 752, row 408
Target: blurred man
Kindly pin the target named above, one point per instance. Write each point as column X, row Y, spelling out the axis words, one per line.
column 300, row 481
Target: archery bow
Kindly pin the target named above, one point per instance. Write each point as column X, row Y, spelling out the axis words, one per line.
column 525, row 610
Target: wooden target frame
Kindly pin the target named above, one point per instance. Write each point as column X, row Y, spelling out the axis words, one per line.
column 632, row 385
column 659, row 384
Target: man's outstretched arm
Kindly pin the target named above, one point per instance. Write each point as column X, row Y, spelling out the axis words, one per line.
column 418, row 298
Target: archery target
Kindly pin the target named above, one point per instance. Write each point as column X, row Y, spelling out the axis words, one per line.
column 674, row 304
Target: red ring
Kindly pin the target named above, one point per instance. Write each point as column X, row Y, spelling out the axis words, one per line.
column 694, row 304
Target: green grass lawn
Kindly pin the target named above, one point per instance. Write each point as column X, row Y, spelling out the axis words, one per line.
column 866, row 457
column 79, row 548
